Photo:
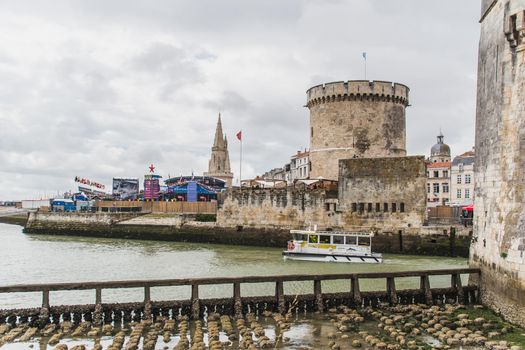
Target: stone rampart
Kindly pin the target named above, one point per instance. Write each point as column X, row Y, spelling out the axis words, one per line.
column 384, row 193
column 358, row 89
column 286, row 208
column 499, row 221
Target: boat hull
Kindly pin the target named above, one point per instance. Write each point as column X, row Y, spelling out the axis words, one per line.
column 357, row 259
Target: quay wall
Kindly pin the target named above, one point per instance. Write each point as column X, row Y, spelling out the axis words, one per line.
column 428, row 241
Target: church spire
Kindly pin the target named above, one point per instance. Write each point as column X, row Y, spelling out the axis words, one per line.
column 219, row 137
column 219, row 164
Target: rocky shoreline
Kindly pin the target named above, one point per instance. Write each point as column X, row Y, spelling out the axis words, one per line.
column 421, row 327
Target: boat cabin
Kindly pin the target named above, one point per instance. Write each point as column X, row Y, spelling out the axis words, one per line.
column 333, row 238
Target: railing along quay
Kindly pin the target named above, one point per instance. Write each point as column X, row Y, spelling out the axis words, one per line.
column 100, row 312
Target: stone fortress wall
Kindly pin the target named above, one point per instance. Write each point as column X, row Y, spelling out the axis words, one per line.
column 498, row 246
column 387, row 193
column 355, row 119
column 380, row 194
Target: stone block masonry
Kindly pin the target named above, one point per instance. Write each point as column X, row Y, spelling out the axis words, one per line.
column 387, row 194
column 499, row 222
column 183, row 228
column 355, row 119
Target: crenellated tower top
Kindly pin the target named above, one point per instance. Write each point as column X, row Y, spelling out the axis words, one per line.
column 358, row 90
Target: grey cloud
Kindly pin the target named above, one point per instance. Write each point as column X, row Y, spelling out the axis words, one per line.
column 102, row 88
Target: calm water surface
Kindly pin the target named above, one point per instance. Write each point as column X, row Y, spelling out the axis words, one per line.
column 43, row 259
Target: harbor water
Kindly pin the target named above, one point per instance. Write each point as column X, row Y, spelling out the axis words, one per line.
column 45, row 259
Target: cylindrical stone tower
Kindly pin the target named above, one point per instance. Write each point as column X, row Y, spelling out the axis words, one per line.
column 355, row 119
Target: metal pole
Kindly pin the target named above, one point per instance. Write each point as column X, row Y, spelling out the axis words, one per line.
column 240, row 164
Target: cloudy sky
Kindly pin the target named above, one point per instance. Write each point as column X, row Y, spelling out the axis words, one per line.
column 100, row 88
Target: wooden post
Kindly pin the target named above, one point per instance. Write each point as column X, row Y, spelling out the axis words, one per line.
column 318, row 295
column 279, row 297
column 147, row 303
column 237, row 301
column 45, row 299
column 425, row 289
column 458, row 287
column 356, row 292
column 97, row 315
column 391, row 290
column 195, row 303
column 43, row 317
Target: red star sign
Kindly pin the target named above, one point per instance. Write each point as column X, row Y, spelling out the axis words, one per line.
column 151, row 168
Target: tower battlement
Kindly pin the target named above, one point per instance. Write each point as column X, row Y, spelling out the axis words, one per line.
column 358, row 90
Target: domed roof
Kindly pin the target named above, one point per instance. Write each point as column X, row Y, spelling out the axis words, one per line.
column 440, row 148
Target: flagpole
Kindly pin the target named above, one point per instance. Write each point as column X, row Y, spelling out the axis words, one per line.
column 240, row 165
column 364, row 56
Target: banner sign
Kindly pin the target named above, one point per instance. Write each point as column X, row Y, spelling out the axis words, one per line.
column 89, row 182
column 125, row 188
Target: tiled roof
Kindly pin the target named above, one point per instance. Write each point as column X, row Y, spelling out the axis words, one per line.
column 438, row 165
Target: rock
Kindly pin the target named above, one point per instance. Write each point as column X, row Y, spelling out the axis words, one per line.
column 381, row 345
column 60, row 347
column 462, row 316
column 493, row 335
column 479, row 321
column 331, row 335
column 356, row 343
column 79, row 347
column 453, row 341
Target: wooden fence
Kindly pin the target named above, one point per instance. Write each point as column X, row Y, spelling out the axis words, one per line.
column 160, row 207
column 237, row 305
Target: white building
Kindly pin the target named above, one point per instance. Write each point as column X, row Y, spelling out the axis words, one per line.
column 462, row 178
column 300, row 166
column 438, row 174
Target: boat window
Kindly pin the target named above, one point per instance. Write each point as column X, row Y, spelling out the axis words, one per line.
column 312, row 239
column 324, row 239
column 302, row 238
column 338, row 239
column 350, row 240
column 365, row 242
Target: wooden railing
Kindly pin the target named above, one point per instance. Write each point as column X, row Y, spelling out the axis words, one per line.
column 237, row 304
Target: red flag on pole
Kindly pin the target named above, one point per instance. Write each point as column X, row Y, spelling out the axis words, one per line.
column 239, row 135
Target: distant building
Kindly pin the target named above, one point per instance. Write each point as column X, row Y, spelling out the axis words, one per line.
column 278, row 174
column 300, row 166
column 440, row 152
column 462, row 179
column 438, row 183
column 219, row 164
column 438, row 174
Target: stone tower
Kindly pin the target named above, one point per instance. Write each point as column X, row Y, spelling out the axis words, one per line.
column 355, row 119
column 219, row 164
column 498, row 244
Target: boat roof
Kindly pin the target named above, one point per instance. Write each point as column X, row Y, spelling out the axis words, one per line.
column 355, row 234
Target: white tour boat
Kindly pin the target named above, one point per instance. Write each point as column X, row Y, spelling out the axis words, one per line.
column 331, row 246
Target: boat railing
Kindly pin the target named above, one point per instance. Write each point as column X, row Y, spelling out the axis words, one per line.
column 351, row 234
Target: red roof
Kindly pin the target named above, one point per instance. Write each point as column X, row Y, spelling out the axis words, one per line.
column 439, row 165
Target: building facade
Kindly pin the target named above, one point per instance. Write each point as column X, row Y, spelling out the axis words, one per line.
column 219, row 164
column 498, row 243
column 462, row 179
column 438, row 183
column 438, row 174
column 300, row 166
column 355, row 119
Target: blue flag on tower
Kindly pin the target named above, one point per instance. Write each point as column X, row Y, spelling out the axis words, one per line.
column 364, row 55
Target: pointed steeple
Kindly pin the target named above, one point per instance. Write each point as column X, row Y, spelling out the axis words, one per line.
column 219, row 138
column 219, row 164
